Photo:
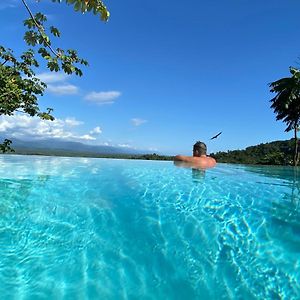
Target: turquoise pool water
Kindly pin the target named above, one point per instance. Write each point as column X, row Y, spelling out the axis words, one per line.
column 76, row 228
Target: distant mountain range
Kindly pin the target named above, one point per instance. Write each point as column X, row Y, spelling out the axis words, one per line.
column 59, row 147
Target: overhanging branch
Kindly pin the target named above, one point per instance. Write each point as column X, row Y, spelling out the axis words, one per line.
column 41, row 30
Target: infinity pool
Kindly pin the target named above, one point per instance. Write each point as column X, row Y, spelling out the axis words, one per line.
column 77, row 228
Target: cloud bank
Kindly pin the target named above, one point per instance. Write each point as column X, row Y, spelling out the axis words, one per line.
column 26, row 127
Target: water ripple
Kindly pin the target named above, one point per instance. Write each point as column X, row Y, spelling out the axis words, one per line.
column 117, row 229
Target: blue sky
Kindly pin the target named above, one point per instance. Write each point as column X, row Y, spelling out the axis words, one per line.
column 164, row 74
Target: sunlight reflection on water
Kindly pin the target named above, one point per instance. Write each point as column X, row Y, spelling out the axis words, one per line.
column 77, row 228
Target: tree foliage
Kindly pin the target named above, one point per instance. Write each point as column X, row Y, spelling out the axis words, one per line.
column 19, row 86
column 95, row 6
column 274, row 153
column 286, row 104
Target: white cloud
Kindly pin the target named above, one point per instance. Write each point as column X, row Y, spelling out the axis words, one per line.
column 65, row 89
column 52, row 77
column 124, row 146
column 25, row 127
column 73, row 122
column 138, row 121
column 87, row 137
column 8, row 4
column 102, row 97
column 57, row 83
column 96, row 130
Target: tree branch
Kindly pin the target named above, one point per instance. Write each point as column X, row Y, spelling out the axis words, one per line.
column 41, row 30
column 4, row 62
column 21, row 111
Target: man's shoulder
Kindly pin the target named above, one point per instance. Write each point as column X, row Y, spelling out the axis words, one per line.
column 211, row 160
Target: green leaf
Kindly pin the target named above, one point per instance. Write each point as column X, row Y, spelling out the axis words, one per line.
column 54, row 31
column 31, row 38
column 5, row 146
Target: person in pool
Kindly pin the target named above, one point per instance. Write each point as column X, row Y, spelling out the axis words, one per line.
column 198, row 160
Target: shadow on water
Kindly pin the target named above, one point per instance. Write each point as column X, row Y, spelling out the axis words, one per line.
column 280, row 172
column 286, row 213
column 284, row 210
column 15, row 192
column 287, row 177
column 198, row 174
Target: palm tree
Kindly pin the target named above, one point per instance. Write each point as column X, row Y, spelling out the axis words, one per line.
column 286, row 104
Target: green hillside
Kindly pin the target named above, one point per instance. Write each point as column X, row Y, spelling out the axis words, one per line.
column 274, row 153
